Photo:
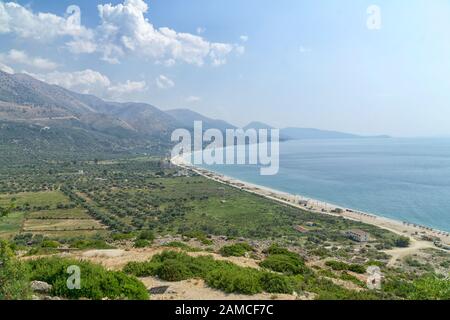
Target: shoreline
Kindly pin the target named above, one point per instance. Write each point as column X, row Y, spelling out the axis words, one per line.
column 413, row 231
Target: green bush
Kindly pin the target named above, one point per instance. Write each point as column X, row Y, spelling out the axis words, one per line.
column 146, row 235
column 402, row 242
column 232, row 279
column 235, row 250
column 428, row 287
column 357, row 268
column 14, row 282
column 122, row 236
column 342, row 266
column 50, row 244
column 281, row 260
column 90, row 244
column 221, row 275
column 141, row 243
column 141, row 269
column 337, row 265
column 276, row 283
column 96, row 282
column 174, row 270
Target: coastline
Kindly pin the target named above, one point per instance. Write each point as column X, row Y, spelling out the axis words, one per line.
column 413, row 231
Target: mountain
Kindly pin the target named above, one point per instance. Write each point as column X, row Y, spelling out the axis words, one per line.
column 187, row 117
column 49, row 118
column 25, row 99
column 260, row 125
column 46, row 117
column 309, row 133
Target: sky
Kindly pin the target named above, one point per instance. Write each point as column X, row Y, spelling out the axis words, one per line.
column 367, row 67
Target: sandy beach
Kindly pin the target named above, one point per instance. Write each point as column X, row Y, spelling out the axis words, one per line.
column 413, row 231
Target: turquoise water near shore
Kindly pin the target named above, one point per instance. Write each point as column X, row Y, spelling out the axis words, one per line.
column 403, row 179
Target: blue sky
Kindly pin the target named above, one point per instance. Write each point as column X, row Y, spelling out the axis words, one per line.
column 287, row 62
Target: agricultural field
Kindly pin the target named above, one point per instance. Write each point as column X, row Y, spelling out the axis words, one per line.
column 140, row 207
column 47, row 213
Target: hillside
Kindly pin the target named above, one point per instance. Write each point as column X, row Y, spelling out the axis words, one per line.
column 41, row 117
column 187, row 117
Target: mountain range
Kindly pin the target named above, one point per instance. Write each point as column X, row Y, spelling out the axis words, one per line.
column 34, row 105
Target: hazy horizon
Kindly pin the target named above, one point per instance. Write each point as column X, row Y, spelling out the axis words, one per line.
column 309, row 64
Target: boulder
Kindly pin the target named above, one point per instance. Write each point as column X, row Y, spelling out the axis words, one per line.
column 41, row 286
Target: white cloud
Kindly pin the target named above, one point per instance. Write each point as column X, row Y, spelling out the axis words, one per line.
column 124, row 29
column 164, row 82
column 200, row 30
column 81, row 46
column 21, row 21
column 193, row 99
column 5, row 68
column 220, row 52
column 21, row 57
column 122, row 89
column 86, row 81
column 244, row 38
column 125, row 26
column 92, row 82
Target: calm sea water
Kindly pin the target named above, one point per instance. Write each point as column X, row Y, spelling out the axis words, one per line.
column 404, row 179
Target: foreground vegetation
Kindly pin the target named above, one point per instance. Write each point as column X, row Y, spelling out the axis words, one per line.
column 52, row 206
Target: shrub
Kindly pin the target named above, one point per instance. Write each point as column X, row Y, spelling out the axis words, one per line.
column 235, row 250
column 146, row 235
column 50, row 244
column 140, row 243
column 402, row 242
column 230, row 278
column 337, row 265
column 275, row 283
column 96, row 282
column 357, row 268
column 90, row 244
column 221, row 275
column 174, row 270
column 288, row 264
column 14, row 284
column 122, row 236
column 141, row 269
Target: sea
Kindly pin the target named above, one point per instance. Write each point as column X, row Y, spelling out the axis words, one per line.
column 407, row 179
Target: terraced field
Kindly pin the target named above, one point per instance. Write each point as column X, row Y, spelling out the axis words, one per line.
column 48, row 213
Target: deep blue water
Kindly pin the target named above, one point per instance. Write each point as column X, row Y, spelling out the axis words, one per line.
column 404, row 179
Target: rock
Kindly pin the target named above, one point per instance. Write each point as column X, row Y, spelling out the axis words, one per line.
column 158, row 290
column 41, row 286
column 52, row 298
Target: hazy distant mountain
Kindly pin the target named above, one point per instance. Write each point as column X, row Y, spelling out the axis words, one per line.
column 260, row 125
column 28, row 105
column 309, row 133
column 187, row 117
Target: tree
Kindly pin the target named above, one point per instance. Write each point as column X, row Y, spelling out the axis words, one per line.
column 14, row 281
column 6, row 211
column 402, row 242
